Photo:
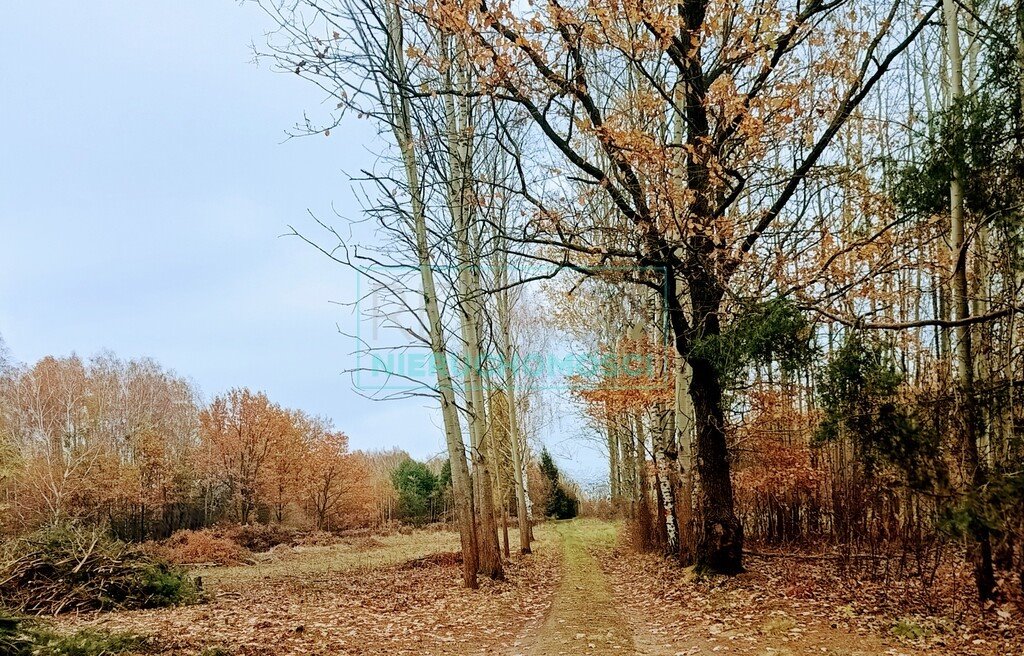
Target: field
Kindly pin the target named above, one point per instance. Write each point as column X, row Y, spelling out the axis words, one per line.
column 582, row 592
column 394, row 594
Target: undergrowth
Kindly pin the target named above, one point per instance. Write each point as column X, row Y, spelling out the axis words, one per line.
column 24, row 637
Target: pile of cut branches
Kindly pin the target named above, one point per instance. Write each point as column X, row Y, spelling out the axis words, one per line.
column 61, row 570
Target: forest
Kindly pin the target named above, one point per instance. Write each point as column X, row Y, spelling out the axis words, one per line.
column 780, row 242
column 130, row 446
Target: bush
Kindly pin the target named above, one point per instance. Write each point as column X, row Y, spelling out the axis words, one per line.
column 231, row 545
column 60, row 570
column 203, row 546
column 259, row 537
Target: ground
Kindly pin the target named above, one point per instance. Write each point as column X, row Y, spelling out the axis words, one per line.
column 584, row 618
column 581, row 592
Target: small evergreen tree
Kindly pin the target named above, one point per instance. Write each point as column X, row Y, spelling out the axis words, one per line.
column 561, row 504
column 860, row 393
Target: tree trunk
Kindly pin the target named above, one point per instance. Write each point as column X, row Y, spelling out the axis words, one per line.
column 504, row 530
column 460, row 204
column 613, row 460
column 627, row 458
column 461, row 487
column 515, row 444
column 665, row 463
column 684, row 441
column 980, row 547
column 720, row 538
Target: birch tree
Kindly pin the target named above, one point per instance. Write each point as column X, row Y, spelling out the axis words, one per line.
column 359, row 57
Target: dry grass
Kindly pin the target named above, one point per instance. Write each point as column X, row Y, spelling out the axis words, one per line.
column 347, row 554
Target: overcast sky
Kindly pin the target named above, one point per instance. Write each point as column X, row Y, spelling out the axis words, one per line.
column 145, row 181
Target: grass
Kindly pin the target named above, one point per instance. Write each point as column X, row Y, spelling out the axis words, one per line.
column 26, row 637
column 776, row 626
column 583, row 617
column 917, row 628
column 331, row 599
column 351, row 555
column 593, row 532
column 86, row 642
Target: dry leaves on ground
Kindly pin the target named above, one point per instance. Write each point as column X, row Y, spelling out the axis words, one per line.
column 793, row 607
column 418, row 609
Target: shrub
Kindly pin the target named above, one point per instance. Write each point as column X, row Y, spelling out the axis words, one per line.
column 231, row 545
column 204, row 546
column 259, row 537
column 86, row 642
column 60, row 570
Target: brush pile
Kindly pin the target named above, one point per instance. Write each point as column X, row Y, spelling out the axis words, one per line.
column 62, row 570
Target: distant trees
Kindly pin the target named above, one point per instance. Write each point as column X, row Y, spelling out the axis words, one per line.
column 84, row 440
column 420, row 492
column 244, row 434
column 560, row 502
column 334, row 482
column 130, row 444
column 268, row 457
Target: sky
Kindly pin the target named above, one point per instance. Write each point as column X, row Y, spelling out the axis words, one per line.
column 146, row 185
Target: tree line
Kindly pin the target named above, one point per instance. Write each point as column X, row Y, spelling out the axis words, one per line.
column 130, row 445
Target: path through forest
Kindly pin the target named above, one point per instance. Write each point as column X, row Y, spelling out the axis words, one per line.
column 583, row 618
column 609, row 610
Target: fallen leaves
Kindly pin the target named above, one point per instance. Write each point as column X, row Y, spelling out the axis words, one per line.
column 412, row 608
column 796, row 607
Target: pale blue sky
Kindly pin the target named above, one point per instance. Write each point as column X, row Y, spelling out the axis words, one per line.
column 144, row 182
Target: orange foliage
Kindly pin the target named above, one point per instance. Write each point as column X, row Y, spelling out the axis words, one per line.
column 80, row 437
column 336, row 484
column 637, row 376
column 241, row 432
column 776, row 467
column 204, row 546
column 127, row 443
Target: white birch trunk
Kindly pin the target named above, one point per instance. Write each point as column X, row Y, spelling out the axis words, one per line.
column 404, row 135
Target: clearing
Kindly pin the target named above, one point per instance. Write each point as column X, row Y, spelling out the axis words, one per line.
column 581, row 592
